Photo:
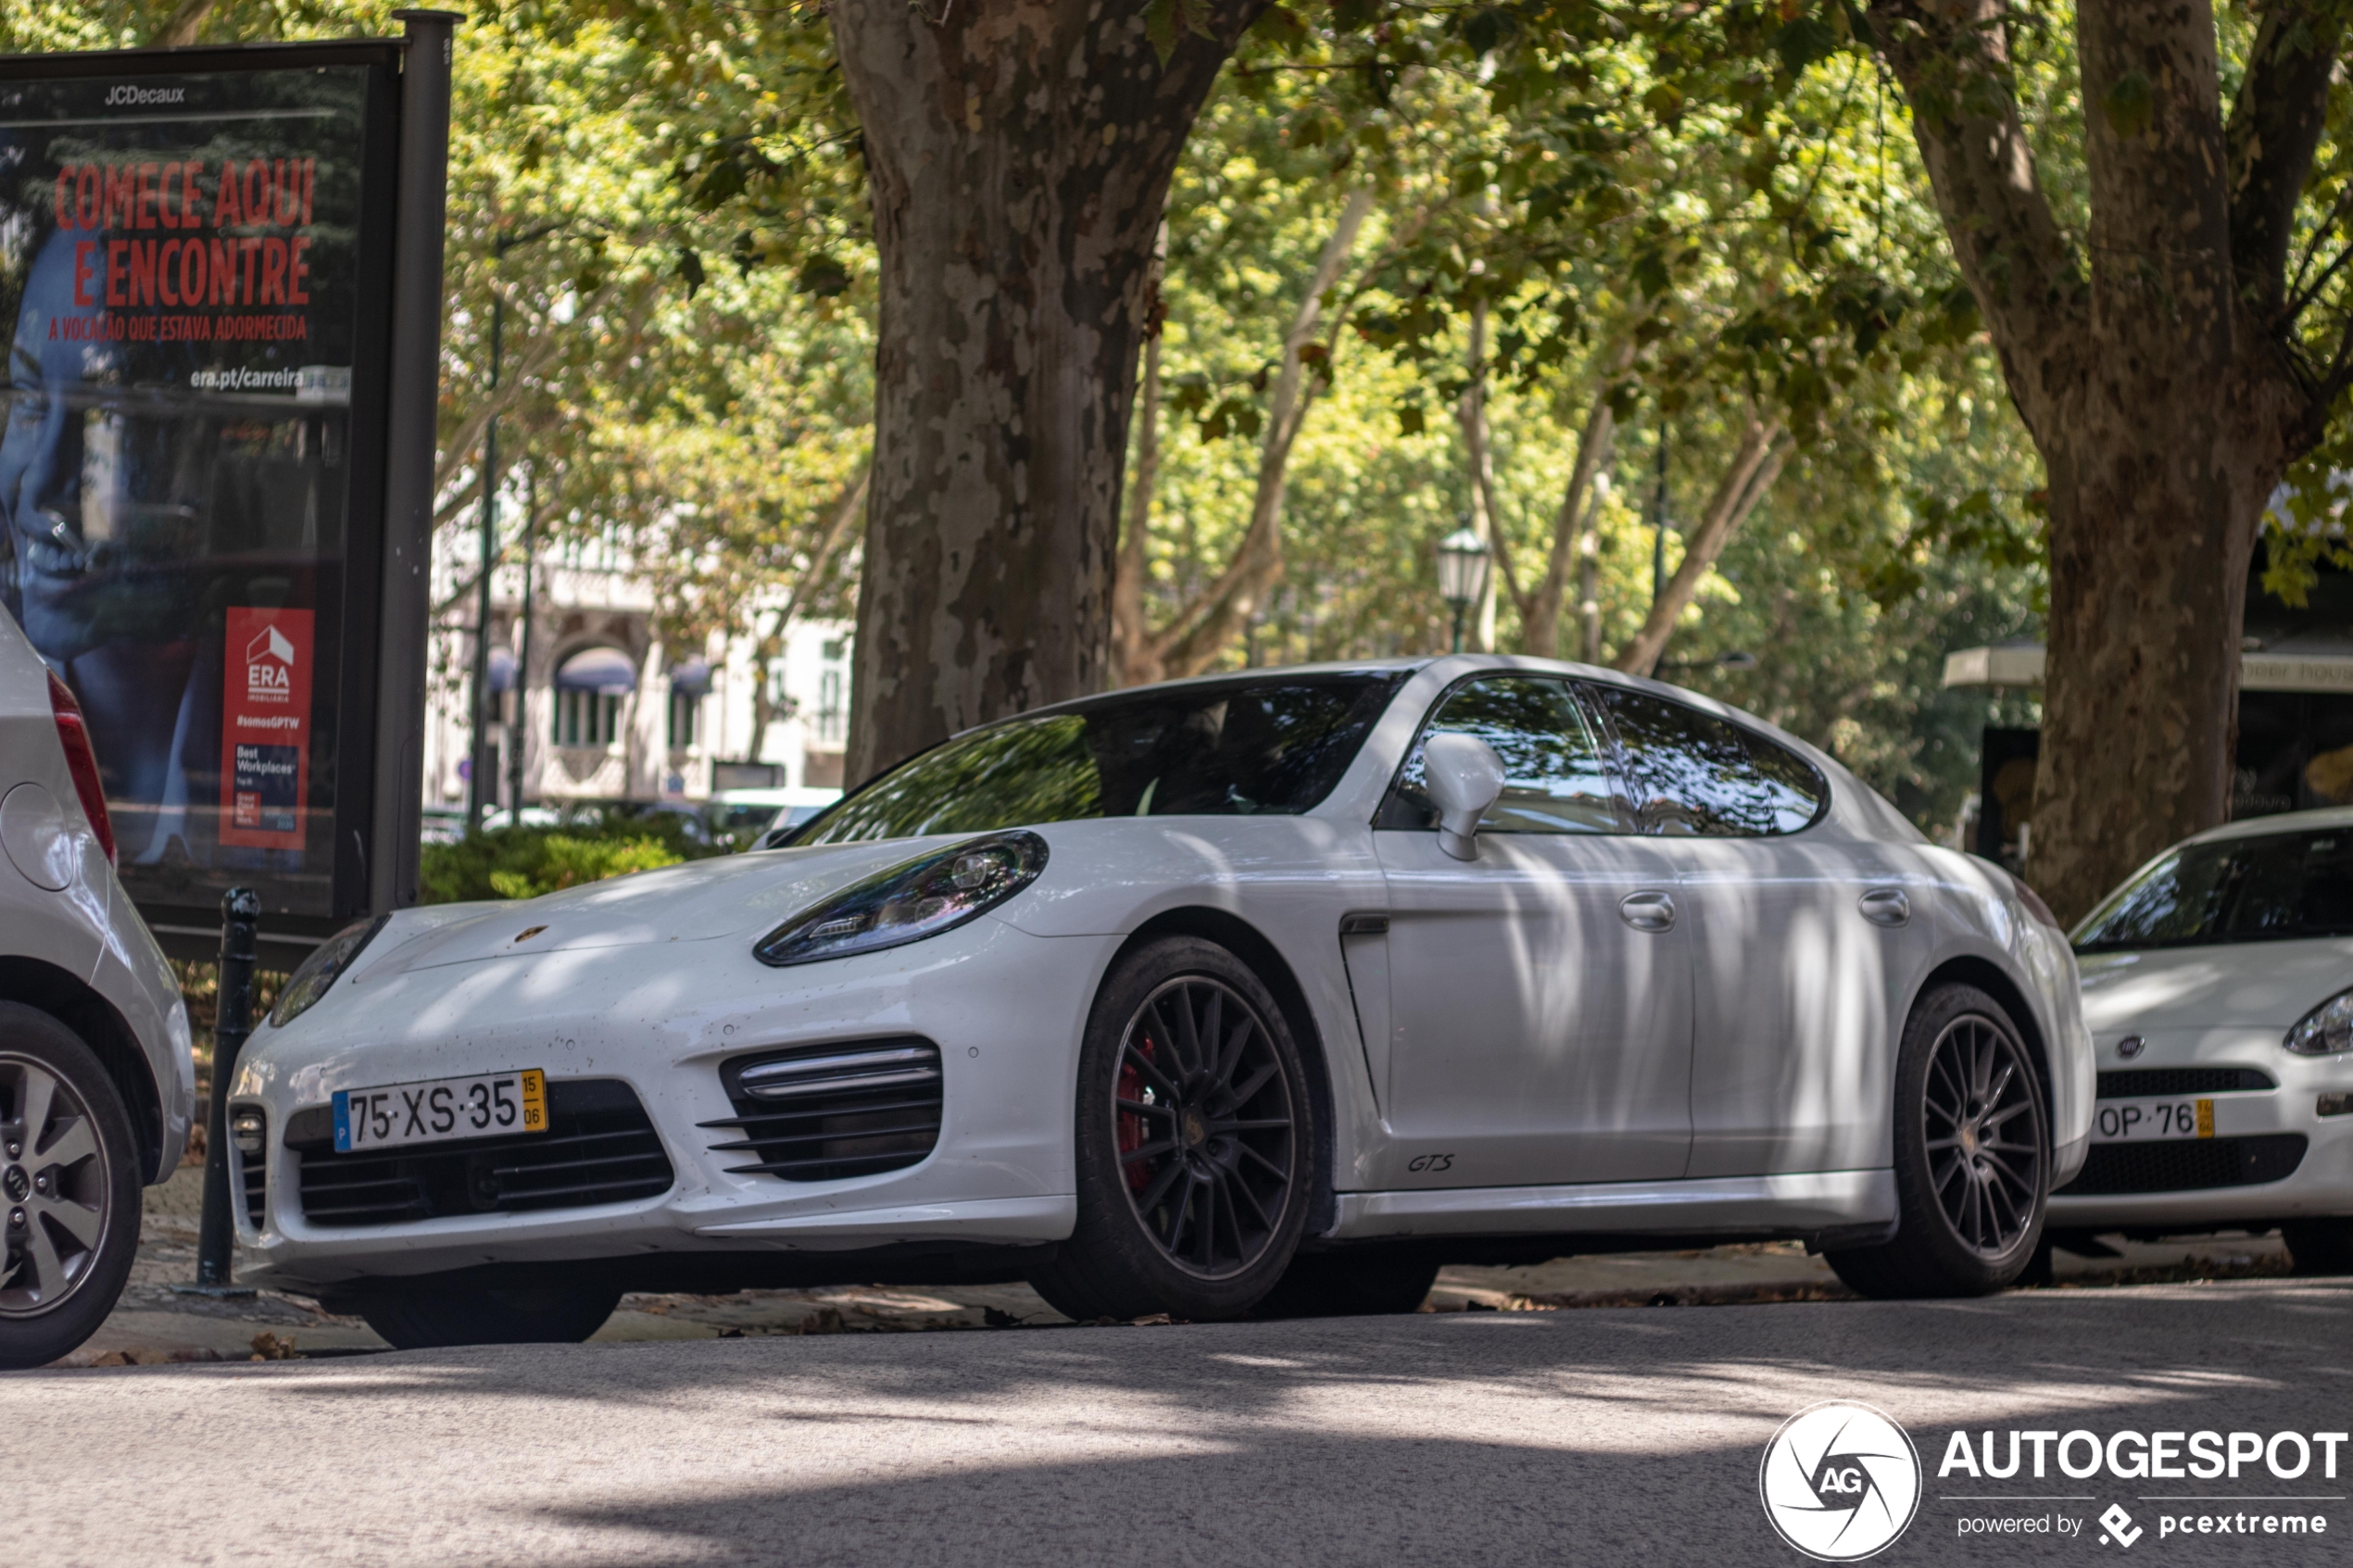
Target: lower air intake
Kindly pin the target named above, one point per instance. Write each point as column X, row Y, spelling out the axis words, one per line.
column 825, row 1112
column 2188, row 1164
column 600, row 1148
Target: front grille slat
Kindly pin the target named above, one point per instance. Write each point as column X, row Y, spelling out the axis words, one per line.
column 2132, row 1083
column 828, row 1113
column 2188, row 1164
column 600, row 1148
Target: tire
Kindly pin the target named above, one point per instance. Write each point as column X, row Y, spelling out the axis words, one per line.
column 525, row 1315
column 2320, row 1247
column 1194, row 1166
column 68, row 1189
column 1352, row 1282
column 1970, row 1213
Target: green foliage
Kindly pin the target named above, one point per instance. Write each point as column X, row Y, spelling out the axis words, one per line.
column 524, row 862
column 1692, row 214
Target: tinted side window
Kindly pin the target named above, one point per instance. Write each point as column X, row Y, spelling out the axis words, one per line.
column 2278, row 887
column 1691, row 773
column 1223, row 748
column 1557, row 779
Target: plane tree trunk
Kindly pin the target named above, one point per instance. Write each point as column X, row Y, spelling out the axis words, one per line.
column 1019, row 153
column 2159, row 371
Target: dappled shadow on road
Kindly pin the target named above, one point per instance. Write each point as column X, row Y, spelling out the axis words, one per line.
column 1600, row 1436
column 1592, row 1436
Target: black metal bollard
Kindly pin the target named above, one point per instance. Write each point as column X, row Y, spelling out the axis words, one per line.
column 232, row 1021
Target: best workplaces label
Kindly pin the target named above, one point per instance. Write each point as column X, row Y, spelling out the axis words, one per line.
column 1841, row 1481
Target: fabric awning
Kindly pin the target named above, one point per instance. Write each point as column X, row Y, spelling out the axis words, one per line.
column 598, row 669
column 502, row 669
column 691, row 678
column 2284, row 668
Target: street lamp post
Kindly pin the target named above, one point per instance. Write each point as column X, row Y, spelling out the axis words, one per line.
column 482, row 786
column 1462, row 574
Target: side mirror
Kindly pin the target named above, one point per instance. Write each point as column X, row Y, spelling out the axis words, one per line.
column 1465, row 777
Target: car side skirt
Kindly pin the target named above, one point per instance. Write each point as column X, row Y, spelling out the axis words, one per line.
column 1795, row 1204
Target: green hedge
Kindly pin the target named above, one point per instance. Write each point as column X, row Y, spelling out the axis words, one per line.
column 522, row 862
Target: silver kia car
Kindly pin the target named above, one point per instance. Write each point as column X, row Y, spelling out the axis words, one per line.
column 97, row 1085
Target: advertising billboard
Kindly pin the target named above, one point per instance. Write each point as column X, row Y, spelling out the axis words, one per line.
column 193, row 281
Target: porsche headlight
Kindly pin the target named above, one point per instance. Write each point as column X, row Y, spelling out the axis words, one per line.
column 2325, row 1030
column 321, row 969
column 910, row 902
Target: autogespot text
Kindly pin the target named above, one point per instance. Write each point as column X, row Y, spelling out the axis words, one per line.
column 2247, row 1458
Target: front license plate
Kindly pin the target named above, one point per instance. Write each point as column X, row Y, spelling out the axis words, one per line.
column 439, row 1110
column 2149, row 1121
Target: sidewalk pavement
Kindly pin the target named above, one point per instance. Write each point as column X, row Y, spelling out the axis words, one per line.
column 153, row 1324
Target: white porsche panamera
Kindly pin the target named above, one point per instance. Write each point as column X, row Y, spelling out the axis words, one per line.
column 1270, row 992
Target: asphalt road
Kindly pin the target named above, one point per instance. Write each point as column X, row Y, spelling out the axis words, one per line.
column 1595, row 1436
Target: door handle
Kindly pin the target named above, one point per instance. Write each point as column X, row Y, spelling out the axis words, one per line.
column 1648, row 911
column 1885, row 906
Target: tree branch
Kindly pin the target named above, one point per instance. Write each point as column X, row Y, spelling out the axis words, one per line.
column 2273, row 131
column 1193, row 640
column 1753, row 468
column 1953, row 63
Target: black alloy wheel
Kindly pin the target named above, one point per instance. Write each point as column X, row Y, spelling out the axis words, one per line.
column 1984, row 1154
column 2320, row 1247
column 1194, row 1142
column 1205, row 1128
column 1972, row 1156
column 68, row 1189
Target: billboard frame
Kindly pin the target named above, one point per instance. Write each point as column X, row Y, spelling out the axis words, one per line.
column 360, row 684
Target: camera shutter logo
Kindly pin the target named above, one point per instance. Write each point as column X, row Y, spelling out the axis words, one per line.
column 1840, row 1481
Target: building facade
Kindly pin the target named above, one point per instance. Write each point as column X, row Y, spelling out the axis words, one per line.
column 601, row 709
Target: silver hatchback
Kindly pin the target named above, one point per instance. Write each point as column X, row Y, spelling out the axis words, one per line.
column 97, row 1085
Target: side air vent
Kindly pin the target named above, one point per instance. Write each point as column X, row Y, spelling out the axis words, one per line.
column 600, row 1148
column 2125, row 1083
column 825, row 1112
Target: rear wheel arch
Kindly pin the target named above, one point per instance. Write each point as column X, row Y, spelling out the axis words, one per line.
column 1991, row 979
column 72, row 1002
column 1243, row 940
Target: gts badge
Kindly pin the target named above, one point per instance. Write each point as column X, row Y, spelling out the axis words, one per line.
column 1430, row 1165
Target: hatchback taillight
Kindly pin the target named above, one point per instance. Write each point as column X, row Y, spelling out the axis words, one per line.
column 73, row 733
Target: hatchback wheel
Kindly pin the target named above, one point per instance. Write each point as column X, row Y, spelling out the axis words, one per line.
column 1972, row 1164
column 68, row 1189
column 2320, row 1247
column 431, row 1318
column 1193, row 1142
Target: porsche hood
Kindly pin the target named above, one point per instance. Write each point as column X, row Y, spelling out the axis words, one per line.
column 740, row 895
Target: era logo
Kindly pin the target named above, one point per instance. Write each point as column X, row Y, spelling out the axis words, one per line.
column 269, row 666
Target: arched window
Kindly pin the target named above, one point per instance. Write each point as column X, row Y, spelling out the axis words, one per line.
column 589, row 687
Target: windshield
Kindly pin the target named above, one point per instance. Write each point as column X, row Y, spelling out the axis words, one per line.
column 2275, row 889
column 1224, row 749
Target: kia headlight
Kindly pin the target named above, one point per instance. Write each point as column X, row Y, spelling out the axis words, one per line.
column 910, row 902
column 2325, row 1030
column 322, row 969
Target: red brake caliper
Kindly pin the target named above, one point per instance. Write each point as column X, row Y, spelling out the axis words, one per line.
column 1131, row 1126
